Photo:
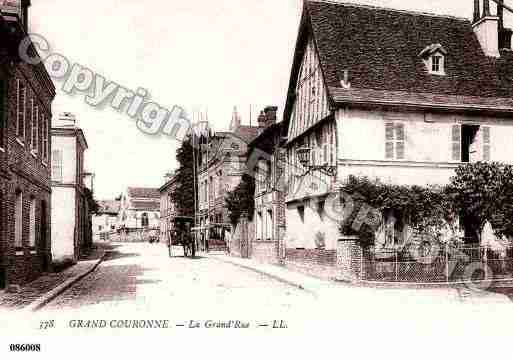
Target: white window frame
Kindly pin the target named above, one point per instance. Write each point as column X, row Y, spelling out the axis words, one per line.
column 441, row 65
column 32, row 230
column 57, row 161
column 45, row 148
column 20, row 135
column 18, row 221
column 34, row 132
column 394, row 141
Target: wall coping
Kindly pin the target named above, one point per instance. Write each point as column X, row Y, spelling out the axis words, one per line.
column 348, row 238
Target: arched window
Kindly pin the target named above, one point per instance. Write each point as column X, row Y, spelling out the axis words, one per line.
column 144, row 220
column 32, row 228
column 18, row 221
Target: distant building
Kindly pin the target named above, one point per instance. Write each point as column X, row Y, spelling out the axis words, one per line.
column 221, row 166
column 106, row 219
column 266, row 159
column 71, row 217
column 167, row 208
column 26, row 95
column 139, row 209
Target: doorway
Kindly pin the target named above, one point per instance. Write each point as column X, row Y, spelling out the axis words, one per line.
column 45, row 260
column 468, row 138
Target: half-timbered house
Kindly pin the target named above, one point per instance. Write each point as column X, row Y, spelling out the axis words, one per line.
column 398, row 95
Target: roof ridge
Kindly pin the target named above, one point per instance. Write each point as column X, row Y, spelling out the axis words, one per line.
column 411, row 12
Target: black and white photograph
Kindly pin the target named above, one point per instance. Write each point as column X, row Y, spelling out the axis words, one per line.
column 288, row 178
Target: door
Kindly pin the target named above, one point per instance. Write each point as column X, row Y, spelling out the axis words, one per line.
column 43, row 244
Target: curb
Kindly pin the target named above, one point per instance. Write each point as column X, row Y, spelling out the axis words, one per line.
column 273, row 276
column 51, row 295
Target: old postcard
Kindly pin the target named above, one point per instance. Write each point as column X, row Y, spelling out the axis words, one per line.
column 294, row 178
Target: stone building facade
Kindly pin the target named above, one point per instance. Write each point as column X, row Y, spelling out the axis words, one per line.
column 139, row 209
column 105, row 221
column 26, row 95
column 71, row 216
column 266, row 161
column 167, row 209
column 220, row 169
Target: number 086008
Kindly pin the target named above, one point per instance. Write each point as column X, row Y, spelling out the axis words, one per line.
column 25, row 347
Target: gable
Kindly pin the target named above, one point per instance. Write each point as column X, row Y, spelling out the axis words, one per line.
column 311, row 98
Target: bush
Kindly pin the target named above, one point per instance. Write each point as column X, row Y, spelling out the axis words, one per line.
column 483, row 192
column 241, row 199
column 424, row 209
column 478, row 193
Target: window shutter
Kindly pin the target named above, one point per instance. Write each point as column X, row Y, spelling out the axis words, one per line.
column 57, row 166
column 400, row 136
column 486, row 144
column 389, row 140
column 456, row 143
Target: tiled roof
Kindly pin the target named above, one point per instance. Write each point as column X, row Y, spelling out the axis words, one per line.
column 139, row 192
column 145, row 205
column 248, row 133
column 109, row 207
column 422, row 100
column 380, row 50
column 266, row 140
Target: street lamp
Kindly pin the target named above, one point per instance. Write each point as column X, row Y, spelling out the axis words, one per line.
column 304, row 157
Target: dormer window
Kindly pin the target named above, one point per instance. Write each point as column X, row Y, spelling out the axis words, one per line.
column 436, row 64
column 434, row 59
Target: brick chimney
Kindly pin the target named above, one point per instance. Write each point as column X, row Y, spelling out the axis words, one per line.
column 262, row 119
column 486, row 28
column 270, row 114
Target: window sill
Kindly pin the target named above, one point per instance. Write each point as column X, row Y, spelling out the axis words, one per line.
column 19, row 253
column 20, row 142
column 33, row 252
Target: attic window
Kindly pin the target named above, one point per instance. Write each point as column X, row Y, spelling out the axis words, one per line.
column 436, row 63
column 434, row 59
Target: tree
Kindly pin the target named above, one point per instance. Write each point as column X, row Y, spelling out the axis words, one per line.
column 476, row 192
column 241, row 199
column 502, row 219
column 93, row 205
column 183, row 194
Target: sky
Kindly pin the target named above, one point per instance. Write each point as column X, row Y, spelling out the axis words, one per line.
column 202, row 55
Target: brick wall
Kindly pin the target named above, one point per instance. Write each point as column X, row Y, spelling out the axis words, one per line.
column 20, row 170
column 265, row 251
column 317, row 262
column 349, row 257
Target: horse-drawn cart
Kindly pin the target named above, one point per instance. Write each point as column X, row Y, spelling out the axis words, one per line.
column 181, row 235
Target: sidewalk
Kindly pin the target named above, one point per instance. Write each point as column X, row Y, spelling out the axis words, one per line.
column 397, row 293
column 36, row 294
column 282, row 274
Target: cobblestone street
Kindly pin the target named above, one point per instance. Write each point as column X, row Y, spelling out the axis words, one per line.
column 142, row 277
